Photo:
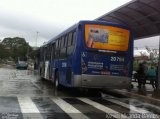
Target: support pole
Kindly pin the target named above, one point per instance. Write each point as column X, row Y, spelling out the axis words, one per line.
column 159, row 67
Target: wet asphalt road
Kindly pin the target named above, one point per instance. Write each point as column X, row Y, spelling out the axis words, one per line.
column 24, row 95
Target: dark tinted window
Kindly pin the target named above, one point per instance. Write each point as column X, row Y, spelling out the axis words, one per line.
column 65, row 45
column 57, row 48
column 70, row 39
column 48, row 52
column 66, row 38
column 53, row 50
column 70, row 50
column 71, row 42
column 41, row 54
column 63, row 53
column 57, row 44
column 74, row 38
column 62, row 42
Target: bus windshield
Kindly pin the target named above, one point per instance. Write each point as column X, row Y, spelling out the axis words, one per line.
column 104, row 37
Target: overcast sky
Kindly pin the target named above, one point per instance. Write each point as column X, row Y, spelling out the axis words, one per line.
column 24, row 18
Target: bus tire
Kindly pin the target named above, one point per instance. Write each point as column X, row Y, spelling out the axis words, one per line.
column 94, row 92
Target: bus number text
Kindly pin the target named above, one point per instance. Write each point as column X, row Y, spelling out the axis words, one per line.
column 117, row 59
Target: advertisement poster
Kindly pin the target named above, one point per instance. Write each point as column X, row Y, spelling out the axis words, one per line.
column 104, row 65
column 106, row 37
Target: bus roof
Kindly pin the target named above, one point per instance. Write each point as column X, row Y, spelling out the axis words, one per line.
column 82, row 22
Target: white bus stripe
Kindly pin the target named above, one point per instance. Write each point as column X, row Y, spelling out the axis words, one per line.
column 28, row 108
column 69, row 109
column 103, row 108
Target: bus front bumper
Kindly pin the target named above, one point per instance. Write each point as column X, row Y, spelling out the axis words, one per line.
column 101, row 81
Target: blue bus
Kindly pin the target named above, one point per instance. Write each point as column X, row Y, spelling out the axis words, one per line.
column 90, row 54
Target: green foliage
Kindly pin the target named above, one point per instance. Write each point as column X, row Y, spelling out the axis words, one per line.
column 2, row 51
column 14, row 48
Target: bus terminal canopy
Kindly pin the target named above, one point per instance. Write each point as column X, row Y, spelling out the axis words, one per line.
column 142, row 16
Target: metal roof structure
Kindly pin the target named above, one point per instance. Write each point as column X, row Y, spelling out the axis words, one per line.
column 142, row 16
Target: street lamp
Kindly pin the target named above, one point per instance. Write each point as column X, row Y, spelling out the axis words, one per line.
column 37, row 37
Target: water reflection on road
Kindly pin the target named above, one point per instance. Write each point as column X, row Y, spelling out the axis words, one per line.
column 27, row 83
column 27, row 89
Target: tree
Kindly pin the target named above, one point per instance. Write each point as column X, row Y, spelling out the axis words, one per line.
column 153, row 54
column 16, row 47
column 2, row 52
column 14, row 42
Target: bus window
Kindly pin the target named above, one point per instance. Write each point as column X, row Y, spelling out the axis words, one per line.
column 44, row 58
column 63, row 48
column 63, row 53
column 41, row 54
column 50, row 52
column 70, row 39
column 47, row 52
column 62, row 42
column 66, row 38
column 53, row 50
column 57, row 54
column 57, row 44
column 70, row 46
column 74, row 38
column 57, row 48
